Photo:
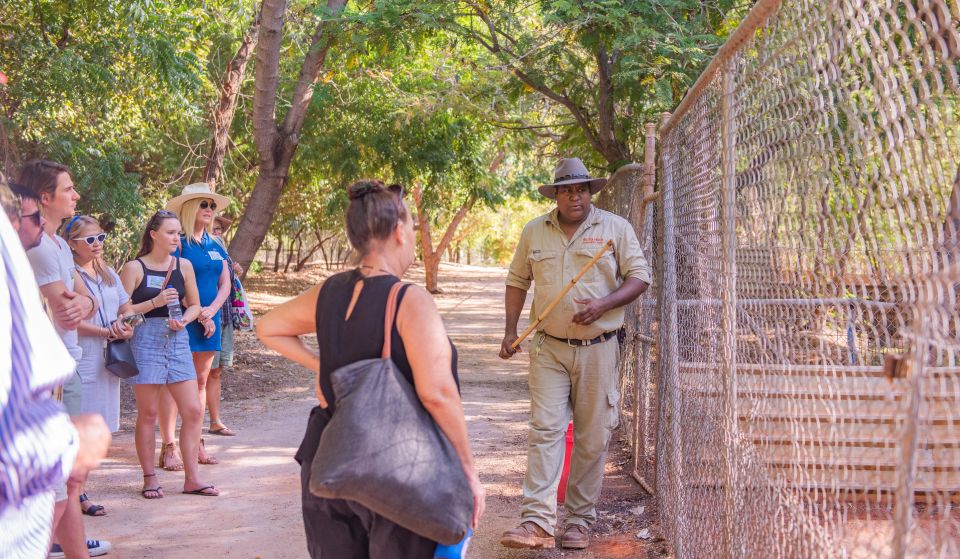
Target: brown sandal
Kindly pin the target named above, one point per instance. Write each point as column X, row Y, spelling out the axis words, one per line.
column 164, row 462
column 210, row 459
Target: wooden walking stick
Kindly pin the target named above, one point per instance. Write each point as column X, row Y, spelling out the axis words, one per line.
column 606, row 246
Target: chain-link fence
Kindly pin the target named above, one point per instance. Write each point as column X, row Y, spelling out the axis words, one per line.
column 802, row 398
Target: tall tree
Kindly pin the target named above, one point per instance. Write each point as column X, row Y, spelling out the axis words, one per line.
column 610, row 66
column 277, row 142
column 227, row 104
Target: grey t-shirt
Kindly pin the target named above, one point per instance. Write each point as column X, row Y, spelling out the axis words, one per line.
column 52, row 261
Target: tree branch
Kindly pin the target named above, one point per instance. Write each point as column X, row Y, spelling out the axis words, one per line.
column 223, row 114
column 309, row 72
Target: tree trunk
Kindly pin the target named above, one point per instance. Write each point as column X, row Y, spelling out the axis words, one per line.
column 431, row 255
column 290, row 249
column 320, row 241
column 276, row 255
column 277, row 143
column 223, row 114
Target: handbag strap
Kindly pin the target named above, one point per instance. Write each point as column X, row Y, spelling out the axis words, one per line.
column 391, row 314
column 83, row 276
column 166, row 278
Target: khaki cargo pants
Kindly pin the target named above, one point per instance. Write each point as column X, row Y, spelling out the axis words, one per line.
column 567, row 380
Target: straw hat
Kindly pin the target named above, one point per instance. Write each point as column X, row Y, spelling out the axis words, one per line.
column 194, row 191
column 571, row 171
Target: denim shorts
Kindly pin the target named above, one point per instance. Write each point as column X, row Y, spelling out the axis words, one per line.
column 163, row 356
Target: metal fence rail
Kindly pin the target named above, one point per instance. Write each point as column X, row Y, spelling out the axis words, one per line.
column 791, row 380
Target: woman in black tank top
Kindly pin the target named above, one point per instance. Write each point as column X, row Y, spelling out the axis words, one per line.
column 347, row 313
column 162, row 350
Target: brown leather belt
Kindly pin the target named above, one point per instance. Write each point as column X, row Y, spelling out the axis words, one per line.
column 579, row 343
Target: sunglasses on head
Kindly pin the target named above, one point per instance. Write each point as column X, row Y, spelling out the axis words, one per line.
column 208, row 204
column 94, row 239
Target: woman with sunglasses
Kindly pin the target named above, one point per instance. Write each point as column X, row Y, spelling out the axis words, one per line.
column 197, row 206
column 99, row 388
column 161, row 348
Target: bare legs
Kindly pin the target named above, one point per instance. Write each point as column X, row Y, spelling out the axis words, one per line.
column 68, row 527
column 202, row 360
column 168, row 429
column 186, row 399
column 213, row 397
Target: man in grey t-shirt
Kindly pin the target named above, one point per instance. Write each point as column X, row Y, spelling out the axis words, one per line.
column 69, row 303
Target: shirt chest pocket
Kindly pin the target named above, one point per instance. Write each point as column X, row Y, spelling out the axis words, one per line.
column 603, row 272
column 546, row 267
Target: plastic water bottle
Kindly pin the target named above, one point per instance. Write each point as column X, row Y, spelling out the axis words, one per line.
column 173, row 308
column 455, row 551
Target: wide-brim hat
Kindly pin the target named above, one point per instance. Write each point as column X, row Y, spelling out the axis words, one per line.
column 194, row 191
column 571, row 171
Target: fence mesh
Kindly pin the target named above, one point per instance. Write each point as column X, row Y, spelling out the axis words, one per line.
column 804, row 392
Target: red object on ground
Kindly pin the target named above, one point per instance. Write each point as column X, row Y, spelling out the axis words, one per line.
column 562, row 489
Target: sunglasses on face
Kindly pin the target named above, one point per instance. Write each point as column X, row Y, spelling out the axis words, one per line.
column 94, row 239
column 35, row 216
column 208, row 204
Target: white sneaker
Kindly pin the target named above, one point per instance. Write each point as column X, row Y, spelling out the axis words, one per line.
column 95, row 548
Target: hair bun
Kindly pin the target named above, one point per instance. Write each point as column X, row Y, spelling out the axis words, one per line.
column 362, row 188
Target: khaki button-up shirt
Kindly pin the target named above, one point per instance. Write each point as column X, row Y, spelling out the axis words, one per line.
column 545, row 257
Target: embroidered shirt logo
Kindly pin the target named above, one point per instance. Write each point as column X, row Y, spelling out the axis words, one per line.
column 593, row 241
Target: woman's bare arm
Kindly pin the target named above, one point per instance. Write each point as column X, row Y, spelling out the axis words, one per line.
column 281, row 328
column 429, row 353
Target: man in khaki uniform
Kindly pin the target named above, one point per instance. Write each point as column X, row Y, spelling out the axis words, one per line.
column 574, row 358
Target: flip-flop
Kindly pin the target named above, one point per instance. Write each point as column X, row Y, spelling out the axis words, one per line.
column 156, row 489
column 202, row 491
column 92, row 510
column 222, row 431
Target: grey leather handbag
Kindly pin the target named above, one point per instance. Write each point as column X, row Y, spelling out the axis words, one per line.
column 382, row 449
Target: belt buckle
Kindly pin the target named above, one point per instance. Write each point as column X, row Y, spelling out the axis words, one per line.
column 570, row 343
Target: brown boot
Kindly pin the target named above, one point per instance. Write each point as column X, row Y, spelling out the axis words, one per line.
column 575, row 536
column 527, row 535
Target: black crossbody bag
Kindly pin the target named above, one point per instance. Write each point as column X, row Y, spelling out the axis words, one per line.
column 117, row 355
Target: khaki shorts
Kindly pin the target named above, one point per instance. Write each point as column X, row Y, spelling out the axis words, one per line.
column 224, row 357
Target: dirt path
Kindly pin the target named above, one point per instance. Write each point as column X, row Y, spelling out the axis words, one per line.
column 267, row 401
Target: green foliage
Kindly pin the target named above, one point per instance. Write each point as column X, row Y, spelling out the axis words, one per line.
column 412, row 92
column 115, row 90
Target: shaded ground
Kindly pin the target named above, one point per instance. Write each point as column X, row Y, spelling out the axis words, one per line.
column 267, row 400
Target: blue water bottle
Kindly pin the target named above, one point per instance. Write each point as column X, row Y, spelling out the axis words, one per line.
column 455, row 551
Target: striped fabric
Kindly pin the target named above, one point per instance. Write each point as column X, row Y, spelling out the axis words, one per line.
column 38, row 443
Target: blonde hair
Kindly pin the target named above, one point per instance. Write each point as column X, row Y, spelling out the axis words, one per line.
column 188, row 218
column 74, row 231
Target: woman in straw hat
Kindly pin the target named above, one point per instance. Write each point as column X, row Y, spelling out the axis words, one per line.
column 197, row 206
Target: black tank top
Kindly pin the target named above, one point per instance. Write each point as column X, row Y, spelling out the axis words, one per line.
column 342, row 342
column 149, row 288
